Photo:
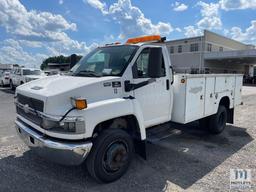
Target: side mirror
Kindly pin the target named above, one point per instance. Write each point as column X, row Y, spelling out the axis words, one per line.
column 140, row 73
column 155, row 62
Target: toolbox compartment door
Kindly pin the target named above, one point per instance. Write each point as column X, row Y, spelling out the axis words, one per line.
column 210, row 101
column 195, row 93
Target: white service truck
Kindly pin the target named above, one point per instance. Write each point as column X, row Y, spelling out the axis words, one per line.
column 4, row 78
column 20, row 76
column 100, row 112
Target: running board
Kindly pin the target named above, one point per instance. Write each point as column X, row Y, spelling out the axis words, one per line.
column 158, row 133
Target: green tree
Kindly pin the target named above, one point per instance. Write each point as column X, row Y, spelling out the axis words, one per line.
column 57, row 59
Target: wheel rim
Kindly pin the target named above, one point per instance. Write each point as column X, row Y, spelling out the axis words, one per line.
column 115, row 156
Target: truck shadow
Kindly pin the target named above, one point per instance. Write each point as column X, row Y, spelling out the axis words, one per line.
column 7, row 90
column 182, row 158
column 188, row 154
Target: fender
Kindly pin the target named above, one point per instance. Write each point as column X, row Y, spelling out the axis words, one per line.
column 230, row 110
column 109, row 109
column 225, row 94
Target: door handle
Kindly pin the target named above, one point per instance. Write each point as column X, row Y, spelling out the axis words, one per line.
column 167, row 84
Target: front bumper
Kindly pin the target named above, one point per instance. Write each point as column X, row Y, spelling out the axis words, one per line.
column 58, row 151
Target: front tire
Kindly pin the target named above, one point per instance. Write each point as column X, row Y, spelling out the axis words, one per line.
column 217, row 122
column 110, row 156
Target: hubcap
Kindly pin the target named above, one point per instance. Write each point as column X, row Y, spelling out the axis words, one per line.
column 115, row 157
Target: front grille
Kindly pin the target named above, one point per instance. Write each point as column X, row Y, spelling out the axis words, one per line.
column 31, row 102
column 29, row 116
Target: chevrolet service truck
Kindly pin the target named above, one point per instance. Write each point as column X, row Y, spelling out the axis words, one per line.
column 100, row 112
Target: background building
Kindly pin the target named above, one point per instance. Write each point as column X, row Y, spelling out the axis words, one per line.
column 212, row 53
column 8, row 66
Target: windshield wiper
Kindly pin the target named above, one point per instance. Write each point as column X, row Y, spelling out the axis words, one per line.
column 87, row 73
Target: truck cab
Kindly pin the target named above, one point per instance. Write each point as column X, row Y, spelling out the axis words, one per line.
column 99, row 113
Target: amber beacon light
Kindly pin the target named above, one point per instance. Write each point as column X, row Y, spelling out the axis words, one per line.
column 144, row 39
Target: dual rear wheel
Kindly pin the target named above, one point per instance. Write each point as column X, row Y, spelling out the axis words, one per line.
column 216, row 123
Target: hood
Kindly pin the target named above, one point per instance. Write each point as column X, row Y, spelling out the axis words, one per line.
column 56, row 91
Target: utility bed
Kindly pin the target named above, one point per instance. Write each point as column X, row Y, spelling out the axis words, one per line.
column 198, row 95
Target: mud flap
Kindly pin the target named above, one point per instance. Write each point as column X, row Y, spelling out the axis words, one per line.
column 141, row 148
column 230, row 116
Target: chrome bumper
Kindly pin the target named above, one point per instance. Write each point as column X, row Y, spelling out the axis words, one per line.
column 62, row 152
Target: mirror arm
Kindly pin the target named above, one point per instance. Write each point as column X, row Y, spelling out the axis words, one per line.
column 130, row 86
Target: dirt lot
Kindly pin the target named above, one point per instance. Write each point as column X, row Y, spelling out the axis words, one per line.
column 188, row 159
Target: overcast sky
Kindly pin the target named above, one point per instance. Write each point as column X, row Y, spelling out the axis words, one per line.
column 31, row 30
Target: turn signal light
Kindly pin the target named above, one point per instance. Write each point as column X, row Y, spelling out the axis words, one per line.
column 79, row 103
column 144, row 39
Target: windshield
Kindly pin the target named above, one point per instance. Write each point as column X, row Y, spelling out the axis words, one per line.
column 31, row 72
column 105, row 61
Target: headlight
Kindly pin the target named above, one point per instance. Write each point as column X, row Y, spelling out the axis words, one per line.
column 68, row 125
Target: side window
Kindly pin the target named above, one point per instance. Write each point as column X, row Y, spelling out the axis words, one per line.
column 171, row 49
column 142, row 64
column 180, row 49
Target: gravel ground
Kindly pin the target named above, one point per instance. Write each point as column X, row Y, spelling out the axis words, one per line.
column 188, row 159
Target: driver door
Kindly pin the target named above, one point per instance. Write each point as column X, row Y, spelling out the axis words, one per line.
column 154, row 97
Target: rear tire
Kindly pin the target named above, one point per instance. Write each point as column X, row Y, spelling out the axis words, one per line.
column 217, row 122
column 204, row 123
column 110, row 156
